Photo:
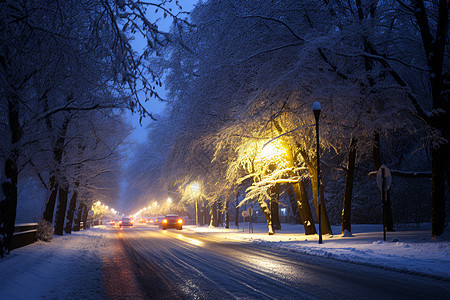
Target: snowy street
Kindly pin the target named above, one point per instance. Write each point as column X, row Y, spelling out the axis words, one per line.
column 211, row 263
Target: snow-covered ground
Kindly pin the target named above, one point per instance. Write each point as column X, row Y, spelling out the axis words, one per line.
column 70, row 267
column 410, row 251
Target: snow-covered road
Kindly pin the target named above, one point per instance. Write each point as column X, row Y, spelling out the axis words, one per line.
column 205, row 263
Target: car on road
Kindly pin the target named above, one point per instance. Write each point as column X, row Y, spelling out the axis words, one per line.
column 112, row 222
column 172, row 221
column 158, row 220
column 126, row 222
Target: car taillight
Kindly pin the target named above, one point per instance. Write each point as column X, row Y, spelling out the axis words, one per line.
column 164, row 221
column 180, row 221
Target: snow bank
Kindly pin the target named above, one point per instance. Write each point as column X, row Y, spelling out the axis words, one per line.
column 70, row 267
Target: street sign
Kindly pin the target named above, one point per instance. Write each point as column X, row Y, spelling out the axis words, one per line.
column 383, row 170
column 91, row 213
column 250, row 211
column 245, row 213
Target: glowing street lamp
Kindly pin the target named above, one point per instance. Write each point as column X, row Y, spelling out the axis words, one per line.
column 316, row 109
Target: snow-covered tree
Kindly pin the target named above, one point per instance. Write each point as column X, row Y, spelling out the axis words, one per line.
column 58, row 58
column 271, row 62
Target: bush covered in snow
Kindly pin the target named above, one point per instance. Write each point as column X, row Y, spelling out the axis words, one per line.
column 44, row 231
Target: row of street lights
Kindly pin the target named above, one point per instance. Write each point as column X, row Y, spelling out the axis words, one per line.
column 153, row 206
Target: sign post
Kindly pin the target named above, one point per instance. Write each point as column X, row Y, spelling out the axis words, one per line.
column 244, row 214
column 250, row 224
column 384, row 180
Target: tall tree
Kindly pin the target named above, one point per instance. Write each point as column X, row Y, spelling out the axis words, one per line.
column 53, row 48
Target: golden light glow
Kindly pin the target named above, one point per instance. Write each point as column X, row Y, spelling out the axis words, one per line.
column 195, row 187
column 273, row 150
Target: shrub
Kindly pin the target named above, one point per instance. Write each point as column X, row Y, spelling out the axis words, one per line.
column 44, row 231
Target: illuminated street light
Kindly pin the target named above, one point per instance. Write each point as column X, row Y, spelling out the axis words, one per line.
column 195, row 187
column 317, row 108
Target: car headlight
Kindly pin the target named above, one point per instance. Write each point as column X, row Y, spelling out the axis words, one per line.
column 164, row 221
column 180, row 221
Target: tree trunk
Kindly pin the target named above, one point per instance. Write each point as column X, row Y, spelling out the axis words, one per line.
column 61, row 210
column 349, row 178
column 202, row 214
column 227, row 213
column 51, row 201
column 77, row 225
column 58, row 151
column 295, row 210
column 236, row 220
column 274, row 207
column 213, row 214
column 326, row 226
column 266, row 212
column 8, row 206
column 219, row 214
column 303, row 207
column 312, row 168
column 8, row 201
column 84, row 218
column 325, row 223
column 439, row 164
column 71, row 212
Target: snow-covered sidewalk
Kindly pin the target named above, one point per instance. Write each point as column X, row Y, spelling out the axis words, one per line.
column 69, row 267
column 408, row 251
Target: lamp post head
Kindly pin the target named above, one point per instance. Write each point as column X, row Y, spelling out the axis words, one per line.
column 317, row 108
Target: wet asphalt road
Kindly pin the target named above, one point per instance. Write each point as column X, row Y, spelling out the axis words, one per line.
column 149, row 263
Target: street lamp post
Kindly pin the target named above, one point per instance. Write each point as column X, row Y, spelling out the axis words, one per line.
column 317, row 108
